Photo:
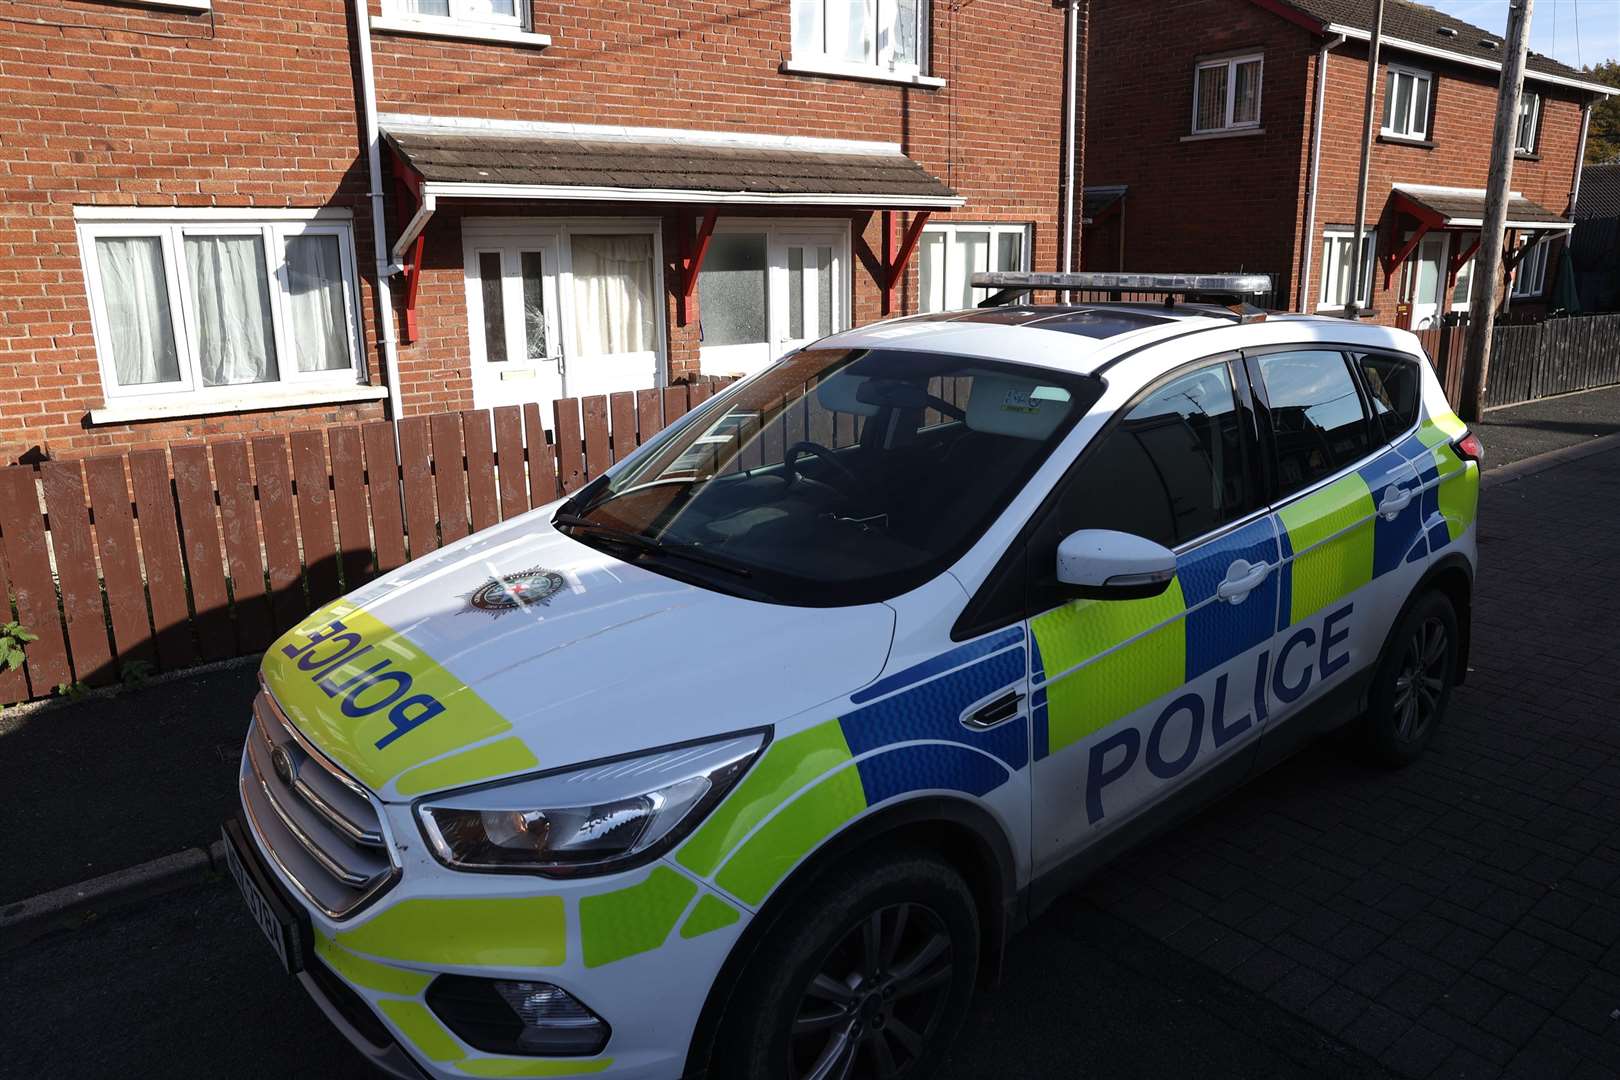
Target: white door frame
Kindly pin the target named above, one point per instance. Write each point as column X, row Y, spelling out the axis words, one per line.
column 1428, row 308
column 482, row 233
column 780, row 234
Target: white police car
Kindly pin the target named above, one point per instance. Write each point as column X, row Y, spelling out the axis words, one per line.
column 745, row 760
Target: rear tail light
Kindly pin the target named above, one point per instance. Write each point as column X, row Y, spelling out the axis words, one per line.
column 1469, row 448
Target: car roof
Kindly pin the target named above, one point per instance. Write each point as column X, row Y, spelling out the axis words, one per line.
column 1078, row 338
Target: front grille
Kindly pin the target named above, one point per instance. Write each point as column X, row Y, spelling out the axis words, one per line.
column 321, row 827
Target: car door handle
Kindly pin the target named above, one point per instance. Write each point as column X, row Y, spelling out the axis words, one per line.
column 1395, row 500
column 1003, row 708
column 1241, row 580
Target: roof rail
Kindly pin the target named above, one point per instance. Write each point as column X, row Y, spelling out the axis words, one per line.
column 1233, row 291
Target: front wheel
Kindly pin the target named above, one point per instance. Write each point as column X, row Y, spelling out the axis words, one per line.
column 867, row 975
column 1413, row 683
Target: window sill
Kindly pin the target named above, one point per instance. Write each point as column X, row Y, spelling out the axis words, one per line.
column 124, row 412
column 1234, row 133
column 1520, row 155
column 180, row 5
column 494, row 35
column 864, row 72
column 1404, row 140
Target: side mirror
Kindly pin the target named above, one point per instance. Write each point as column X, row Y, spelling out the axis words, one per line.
column 1101, row 564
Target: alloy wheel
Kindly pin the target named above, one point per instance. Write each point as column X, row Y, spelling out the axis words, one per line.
column 877, row 999
column 1421, row 681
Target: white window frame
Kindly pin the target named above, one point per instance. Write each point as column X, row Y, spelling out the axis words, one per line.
column 274, row 229
column 1419, row 77
column 1231, row 64
column 1530, row 275
column 1333, row 266
column 462, row 13
column 881, row 62
column 1023, row 230
column 1466, row 271
column 1532, row 119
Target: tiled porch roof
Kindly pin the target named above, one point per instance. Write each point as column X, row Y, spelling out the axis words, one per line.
column 1464, row 207
column 682, row 170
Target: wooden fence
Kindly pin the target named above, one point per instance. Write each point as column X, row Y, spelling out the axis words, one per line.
column 163, row 559
column 1533, row 360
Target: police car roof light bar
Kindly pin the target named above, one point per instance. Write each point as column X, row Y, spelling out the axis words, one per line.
column 1012, row 285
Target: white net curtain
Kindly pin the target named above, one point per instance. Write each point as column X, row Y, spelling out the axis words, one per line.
column 613, row 293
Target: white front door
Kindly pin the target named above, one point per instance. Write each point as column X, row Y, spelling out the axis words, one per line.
column 512, row 314
column 1426, row 281
column 810, row 304
column 767, row 288
column 561, row 309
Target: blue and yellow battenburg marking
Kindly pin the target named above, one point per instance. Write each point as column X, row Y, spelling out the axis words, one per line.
column 381, row 707
column 1095, row 662
column 904, row 736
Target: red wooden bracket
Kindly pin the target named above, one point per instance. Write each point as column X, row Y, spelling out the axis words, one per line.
column 894, row 263
column 1393, row 263
column 1460, row 260
column 692, row 255
column 413, row 285
column 410, row 198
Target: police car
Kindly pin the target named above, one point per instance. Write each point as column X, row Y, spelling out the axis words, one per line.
column 746, row 759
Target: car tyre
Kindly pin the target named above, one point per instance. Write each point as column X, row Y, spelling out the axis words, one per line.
column 1413, row 683
column 868, row 973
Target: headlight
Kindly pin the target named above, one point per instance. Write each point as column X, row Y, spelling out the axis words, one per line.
column 594, row 820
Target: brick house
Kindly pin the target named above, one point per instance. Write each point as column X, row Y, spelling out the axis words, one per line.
column 576, row 197
column 1228, row 136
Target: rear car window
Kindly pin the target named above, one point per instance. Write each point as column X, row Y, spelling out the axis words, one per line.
column 1318, row 424
column 1392, row 391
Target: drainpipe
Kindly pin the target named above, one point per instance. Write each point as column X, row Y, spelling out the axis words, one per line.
column 1316, row 168
column 1071, row 83
column 1580, row 156
column 379, row 221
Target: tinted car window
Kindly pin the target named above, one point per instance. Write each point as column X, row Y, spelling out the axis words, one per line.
column 835, row 477
column 1392, row 391
column 1171, row 470
column 1317, row 420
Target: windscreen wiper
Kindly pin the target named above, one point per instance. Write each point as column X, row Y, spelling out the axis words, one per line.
column 647, row 544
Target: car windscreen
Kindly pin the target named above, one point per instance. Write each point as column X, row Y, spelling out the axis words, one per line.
column 835, row 477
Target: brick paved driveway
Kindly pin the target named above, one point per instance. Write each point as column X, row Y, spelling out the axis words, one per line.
column 1460, row 918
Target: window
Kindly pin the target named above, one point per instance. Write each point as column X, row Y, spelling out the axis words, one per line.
column 890, row 35
column 1392, row 391
column 221, row 306
column 614, row 298
column 1406, row 103
column 1462, row 290
column 1226, row 94
column 951, row 254
column 1529, row 123
column 767, row 479
column 768, row 287
column 1530, row 278
column 1317, row 421
column 1171, row 471
column 1336, row 267
column 510, row 14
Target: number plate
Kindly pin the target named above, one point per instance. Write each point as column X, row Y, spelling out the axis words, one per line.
column 281, row 927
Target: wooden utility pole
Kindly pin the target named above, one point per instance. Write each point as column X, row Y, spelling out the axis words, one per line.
column 1488, row 271
column 1357, row 265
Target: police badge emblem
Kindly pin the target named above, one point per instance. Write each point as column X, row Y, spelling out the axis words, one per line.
column 524, row 589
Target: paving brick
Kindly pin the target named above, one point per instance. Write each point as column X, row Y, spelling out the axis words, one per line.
column 1418, row 1053
column 1375, row 1029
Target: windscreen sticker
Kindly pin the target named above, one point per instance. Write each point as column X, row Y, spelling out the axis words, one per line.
column 370, row 697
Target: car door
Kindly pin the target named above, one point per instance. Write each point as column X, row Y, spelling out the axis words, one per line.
column 1131, row 700
column 1348, row 517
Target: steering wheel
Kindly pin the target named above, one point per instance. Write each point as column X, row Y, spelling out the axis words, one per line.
column 849, row 484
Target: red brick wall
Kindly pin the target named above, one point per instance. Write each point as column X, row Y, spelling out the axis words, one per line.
column 1213, row 204
column 255, row 105
column 1464, row 104
column 251, row 106
column 993, row 132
